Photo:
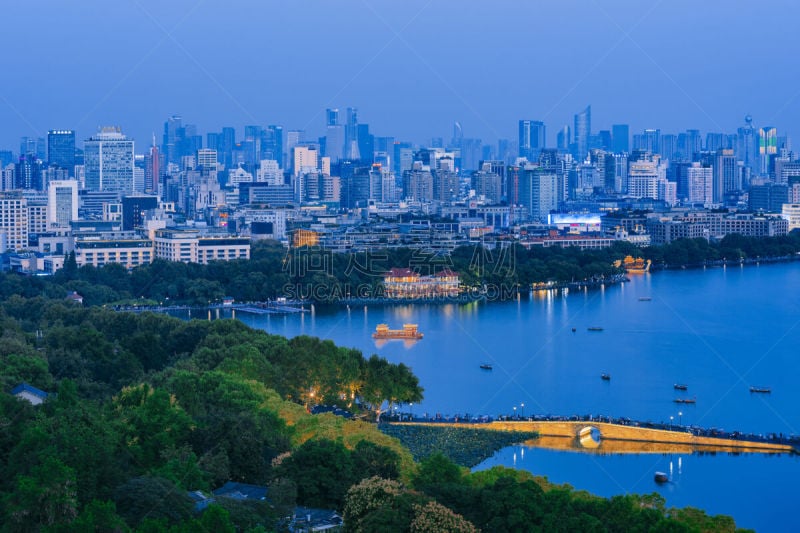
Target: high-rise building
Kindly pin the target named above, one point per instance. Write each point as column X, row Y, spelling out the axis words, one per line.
column 366, row 143
column 305, row 159
column 747, row 145
column 334, row 135
column 109, row 162
column 134, row 210
column 62, row 202
column 582, row 131
column 351, row 148
column 727, row 177
column 767, row 148
column 563, row 139
column 538, row 191
column 14, row 222
column 532, row 138
column 61, row 149
column 171, row 137
column 700, row 184
column 28, row 173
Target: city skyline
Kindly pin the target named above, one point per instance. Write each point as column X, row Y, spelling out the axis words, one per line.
column 411, row 70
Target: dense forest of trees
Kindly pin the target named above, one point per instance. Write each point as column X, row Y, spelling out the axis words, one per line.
column 313, row 274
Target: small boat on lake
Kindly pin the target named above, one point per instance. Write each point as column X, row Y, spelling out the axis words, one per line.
column 685, row 400
column 661, row 477
column 486, row 366
column 763, row 390
column 605, row 377
column 595, row 328
column 680, row 386
column 645, row 299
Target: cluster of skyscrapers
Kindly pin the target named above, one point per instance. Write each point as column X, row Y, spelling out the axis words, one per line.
column 236, row 184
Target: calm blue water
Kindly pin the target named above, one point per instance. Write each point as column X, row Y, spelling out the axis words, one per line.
column 717, row 330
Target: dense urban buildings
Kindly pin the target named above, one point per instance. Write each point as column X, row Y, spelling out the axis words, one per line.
column 201, row 198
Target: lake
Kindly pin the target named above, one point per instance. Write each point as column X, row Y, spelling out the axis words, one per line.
column 719, row 331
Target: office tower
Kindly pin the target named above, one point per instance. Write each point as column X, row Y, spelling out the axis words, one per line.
column 668, row 146
column 620, row 138
column 33, row 146
column 305, row 159
column 458, row 135
column 272, row 144
column 134, row 210
column 171, row 127
column 582, row 131
column 727, row 177
column 225, row 152
column 700, row 184
column 649, row 141
column 538, row 191
column 351, row 148
column 604, row 140
column 403, row 157
column 334, row 135
column 645, row 174
column 563, row 139
column 14, row 222
column 61, row 149
column 716, row 141
column 152, row 169
column 767, row 148
column 366, row 143
column 532, row 138
column 108, row 162
column 28, row 173
column 214, row 141
column 293, row 138
column 62, row 202
column 207, row 160
column 470, row 154
column 506, row 151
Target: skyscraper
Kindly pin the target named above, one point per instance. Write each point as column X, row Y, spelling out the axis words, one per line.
column 726, row 175
column 334, row 135
column 620, row 138
column 582, row 131
column 108, row 162
column 351, row 134
column 563, row 139
column 171, row 127
column 61, row 149
column 532, row 138
column 767, row 147
column 28, row 173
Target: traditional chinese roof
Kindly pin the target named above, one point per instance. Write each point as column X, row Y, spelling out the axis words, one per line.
column 401, row 273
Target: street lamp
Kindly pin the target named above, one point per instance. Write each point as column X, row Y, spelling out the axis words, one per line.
column 523, row 409
column 670, row 422
column 680, row 418
column 411, row 409
column 515, row 411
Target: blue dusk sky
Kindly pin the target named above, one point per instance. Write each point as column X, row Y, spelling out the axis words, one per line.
column 411, row 67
